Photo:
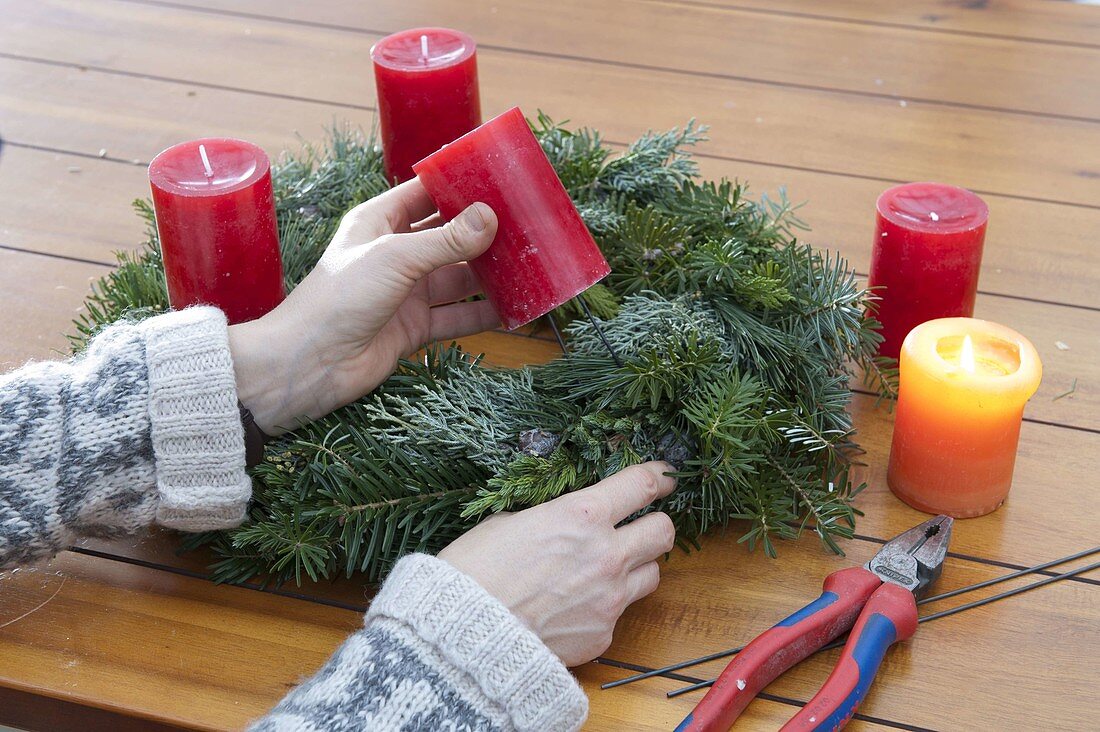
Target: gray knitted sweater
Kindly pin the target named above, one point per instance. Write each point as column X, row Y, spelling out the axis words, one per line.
column 143, row 428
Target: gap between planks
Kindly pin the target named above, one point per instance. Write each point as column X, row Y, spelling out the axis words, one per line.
column 370, row 108
column 622, row 64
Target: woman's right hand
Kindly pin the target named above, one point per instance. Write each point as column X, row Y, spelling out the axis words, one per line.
column 564, row 569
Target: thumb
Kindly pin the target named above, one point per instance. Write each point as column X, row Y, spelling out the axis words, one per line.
column 464, row 237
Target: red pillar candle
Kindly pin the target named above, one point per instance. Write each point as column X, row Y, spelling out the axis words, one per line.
column 216, row 220
column 926, row 256
column 427, row 94
column 543, row 254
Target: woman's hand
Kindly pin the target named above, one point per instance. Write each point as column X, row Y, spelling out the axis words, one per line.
column 385, row 286
column 564, row 569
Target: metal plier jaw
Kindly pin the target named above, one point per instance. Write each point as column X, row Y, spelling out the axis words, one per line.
column 914, row 559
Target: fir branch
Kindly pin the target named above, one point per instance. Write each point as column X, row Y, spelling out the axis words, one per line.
column 526, row 481
column 655, row 165
column 737, row 343
column 578, row 156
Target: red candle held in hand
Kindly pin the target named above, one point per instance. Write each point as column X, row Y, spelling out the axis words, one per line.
column 427, row 94
column 543, row 254
column 216, row 220
column 927, row 254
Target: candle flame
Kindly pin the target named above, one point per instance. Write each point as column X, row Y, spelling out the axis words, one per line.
column 205, row 162
column 966, row 356
column 424, row 47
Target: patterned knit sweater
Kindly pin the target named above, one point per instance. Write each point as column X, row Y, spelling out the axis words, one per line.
column 143, row 428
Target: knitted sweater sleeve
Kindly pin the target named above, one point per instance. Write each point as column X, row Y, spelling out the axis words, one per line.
column 437, row 652
column 143, row 427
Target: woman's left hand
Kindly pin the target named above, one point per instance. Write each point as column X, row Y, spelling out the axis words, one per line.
column 387, row 284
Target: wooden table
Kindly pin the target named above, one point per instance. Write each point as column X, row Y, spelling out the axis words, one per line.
column 835, row 99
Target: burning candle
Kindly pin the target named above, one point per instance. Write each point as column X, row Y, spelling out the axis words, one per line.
column 543, row 254
column 926, row 256
column 964, row 383
column 427, row 94
column 215, row 216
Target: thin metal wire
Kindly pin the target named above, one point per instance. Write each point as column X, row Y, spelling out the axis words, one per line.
column 934, row 616
column 674, row 667
column 970, row 588
column 1010, row 593
column 599, row 331
column 1013, row 575
column 557, row 333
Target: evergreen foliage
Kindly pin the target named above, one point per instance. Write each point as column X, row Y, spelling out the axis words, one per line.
column 736, row 341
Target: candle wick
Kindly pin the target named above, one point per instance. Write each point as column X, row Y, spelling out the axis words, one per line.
column 205, row 162
column 424, row 48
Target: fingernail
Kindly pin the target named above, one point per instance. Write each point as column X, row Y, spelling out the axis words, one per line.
column 474, row 217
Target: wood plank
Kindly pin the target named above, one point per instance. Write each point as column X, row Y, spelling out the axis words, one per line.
column 209, row 657
column 698, row 38
column 77, row 111
column 158, row 646
column 69, row 205
column 857, row 135
column 27, row 711
column 956, row 673
column 39, row 297
column 1033, row 249
column 1050, row 22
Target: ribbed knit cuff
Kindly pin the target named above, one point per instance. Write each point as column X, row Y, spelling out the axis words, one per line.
column 198, row 440
column 476, row 634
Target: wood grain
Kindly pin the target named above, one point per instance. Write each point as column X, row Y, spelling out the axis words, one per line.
column 982, row 150
column 69, row 205
column 184, row 652
column 39, row 298
column 160, row 646
column 952, row 675
column 1045, row 22
column 28, row 711
column 727, row 42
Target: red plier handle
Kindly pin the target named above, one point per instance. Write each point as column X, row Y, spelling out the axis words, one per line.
column 889, row 616
column 777, row 649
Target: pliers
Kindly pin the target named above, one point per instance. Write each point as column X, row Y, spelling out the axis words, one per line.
column 876, row 601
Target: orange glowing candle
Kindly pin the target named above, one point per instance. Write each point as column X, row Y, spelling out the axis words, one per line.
column 964, row 383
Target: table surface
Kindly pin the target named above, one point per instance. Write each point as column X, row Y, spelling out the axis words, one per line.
column 834, row 99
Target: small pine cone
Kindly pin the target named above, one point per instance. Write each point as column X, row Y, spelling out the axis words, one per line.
column 537, row 443
column 674, row 450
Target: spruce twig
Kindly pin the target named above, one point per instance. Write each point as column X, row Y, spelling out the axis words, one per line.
column 734, row 347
